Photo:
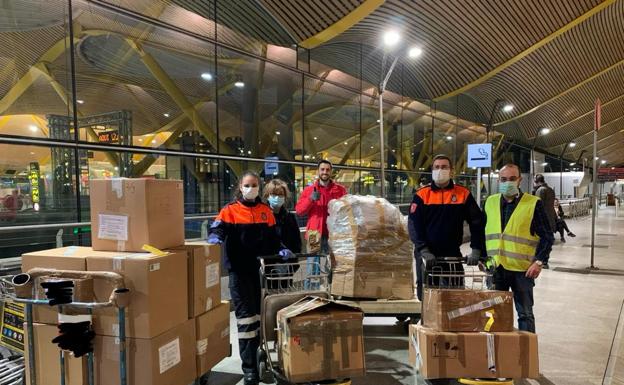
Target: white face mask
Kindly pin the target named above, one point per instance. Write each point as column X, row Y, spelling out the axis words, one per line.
column 441, row 176
column 250, row 193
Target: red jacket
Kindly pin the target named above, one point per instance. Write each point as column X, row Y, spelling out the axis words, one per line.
column 317, row 210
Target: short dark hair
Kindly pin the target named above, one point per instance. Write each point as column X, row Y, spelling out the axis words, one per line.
column 325, row 161
column 513, row 165
column 539, row 178
column 442, row 156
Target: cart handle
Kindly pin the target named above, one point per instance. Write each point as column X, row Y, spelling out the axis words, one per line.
column 275, row 258
column 119, row 296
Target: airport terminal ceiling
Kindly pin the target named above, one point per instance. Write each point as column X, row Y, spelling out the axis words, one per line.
column 551, row 69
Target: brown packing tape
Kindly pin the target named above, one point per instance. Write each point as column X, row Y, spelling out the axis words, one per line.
column 525, row 352
column 345, row 348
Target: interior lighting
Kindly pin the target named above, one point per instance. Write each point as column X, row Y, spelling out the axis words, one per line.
column 166, row 115
column 508, row 107
column 239, row 84
column 572, row 144
column 545, row 131
column 545, row 164
column 391, row 38
column 449, row 137
column 603, row 161
column 33, row 128
column 414, row 52
column 79, row 101
column 206, row 76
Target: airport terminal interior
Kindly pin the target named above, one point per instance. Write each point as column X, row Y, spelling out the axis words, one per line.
column 201, row 91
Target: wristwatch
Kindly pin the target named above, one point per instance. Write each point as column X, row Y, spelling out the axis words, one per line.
column 539, row 263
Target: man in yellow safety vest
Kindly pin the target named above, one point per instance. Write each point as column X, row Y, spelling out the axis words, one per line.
column 518, row 241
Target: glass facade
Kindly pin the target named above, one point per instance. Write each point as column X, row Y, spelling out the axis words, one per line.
column 193, row 91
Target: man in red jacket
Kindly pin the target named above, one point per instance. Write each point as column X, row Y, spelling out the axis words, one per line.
column 313, row 203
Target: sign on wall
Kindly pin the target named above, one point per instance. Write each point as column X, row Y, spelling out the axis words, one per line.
column 480, row 155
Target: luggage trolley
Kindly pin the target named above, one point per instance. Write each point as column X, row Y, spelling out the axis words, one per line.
column 284, row 283
column 23, row 288
column 450, row 273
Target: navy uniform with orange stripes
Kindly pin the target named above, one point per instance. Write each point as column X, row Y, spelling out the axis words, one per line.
column 248, row 230
column 436, row 221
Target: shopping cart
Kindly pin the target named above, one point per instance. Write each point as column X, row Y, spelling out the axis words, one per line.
column 284, row 283
column 23, row 288
column 450, row 273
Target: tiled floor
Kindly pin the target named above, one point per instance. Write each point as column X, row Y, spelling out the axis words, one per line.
column 577, row 312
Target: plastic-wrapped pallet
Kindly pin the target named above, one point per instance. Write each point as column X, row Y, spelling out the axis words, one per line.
column 373, row 253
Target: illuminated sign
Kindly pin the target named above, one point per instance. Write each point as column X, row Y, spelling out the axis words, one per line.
column 33, row 178
column 108, row 137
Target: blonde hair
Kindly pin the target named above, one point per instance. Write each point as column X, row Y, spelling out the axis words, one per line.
column 272, row 186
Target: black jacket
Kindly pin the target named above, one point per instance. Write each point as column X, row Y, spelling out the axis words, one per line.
column 288, row 230
column 436, row 220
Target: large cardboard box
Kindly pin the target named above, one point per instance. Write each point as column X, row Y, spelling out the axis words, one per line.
column 64, row 258
column 204, row 276
column 167, row 359
column 158, row 292
column 456, row 310
column 213, row 337
column 476, row 355
column 129, row 213
column 363, row 282
column 320, row 339
column 47, row 363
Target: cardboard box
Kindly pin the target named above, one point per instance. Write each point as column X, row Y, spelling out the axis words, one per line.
column 204, row 276
column 48, row 367
column 64, row 258
column 129, row 213
column 213, row 337
column 454, row 355
column 168, row 359
column 456, row 310
column 320, row 339
column 373, row 283
column 158, row 292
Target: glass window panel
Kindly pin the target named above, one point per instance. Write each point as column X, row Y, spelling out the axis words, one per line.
column 260, row 113
column 332, row 123
column 414, row 144
column 35, row 84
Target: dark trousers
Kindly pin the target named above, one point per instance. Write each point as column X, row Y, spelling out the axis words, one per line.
column 562, row 227
column 246, row 297
column 522, row 288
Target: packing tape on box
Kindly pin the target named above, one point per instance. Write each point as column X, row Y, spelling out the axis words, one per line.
column 202, row 347
column 491, row 352
column 117, row 187
column 416, row 344
column 488, row 303
column 74, row 319
column 490, row 315
column 153, row 250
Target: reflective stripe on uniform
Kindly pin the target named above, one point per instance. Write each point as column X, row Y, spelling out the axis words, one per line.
column 512, row 238
column 248, row 335
column 248, row 320
column 508, row 254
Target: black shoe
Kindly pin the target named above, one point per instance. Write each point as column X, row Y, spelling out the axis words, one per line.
column 571, row 234
column 563, row 240
column 545, row 266
column 251, row 379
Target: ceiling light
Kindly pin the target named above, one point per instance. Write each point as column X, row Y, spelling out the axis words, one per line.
column 378, row 121
column 414, row 52
column 508, row 107
column 154, row 141
column 545, row 164
column 166, row 115
column 346, row 142
column 206, row 76
column 239, row 84
column 80, row 101
column 277, row 133
column 116, row 168
column 391, row 38
column 33, row 128
column 32, row 153
column 596, row 158
column 315, row 138
column 545, row 131
column 572, row 163
column 572, row 144
column 449, row 137
column 249, row 152
column 612, row 168
column 603, row 161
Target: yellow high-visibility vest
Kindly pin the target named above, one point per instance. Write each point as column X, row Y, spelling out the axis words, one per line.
column 515, row 247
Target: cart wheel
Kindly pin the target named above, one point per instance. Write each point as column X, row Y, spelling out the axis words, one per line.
column 401, row 318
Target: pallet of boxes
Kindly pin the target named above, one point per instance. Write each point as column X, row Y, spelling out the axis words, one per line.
column 177, row 328
column 470, row 334
column 372, row 252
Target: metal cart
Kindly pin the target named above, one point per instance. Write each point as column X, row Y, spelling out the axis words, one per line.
column 23, row 288
column 450, row 273
column 284, row 283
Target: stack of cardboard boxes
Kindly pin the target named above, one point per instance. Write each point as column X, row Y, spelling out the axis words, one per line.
column 176, row 326
column 466, row 333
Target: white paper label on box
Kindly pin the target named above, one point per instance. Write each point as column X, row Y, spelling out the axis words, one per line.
column 212, row 275
column 169, row 355
column 71, row 250
column 74, row 319
column 115, row 328
column 154, row 266
column 225, row 332
column 114, row 227
column 202, row 346
column 117, row 186
column 208, row 304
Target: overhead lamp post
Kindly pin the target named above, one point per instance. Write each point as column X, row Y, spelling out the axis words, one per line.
column 391, row 39
column 499, row 104
column 542, row 132
column 565, row 148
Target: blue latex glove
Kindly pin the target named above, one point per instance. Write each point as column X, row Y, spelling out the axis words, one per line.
column 286, row 254
column 213, row 239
